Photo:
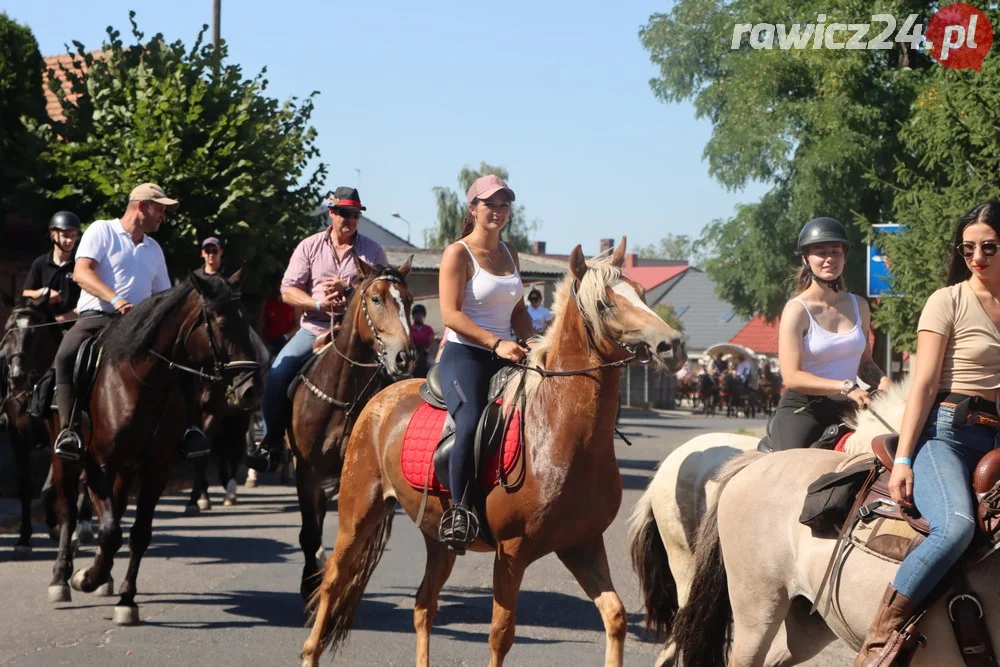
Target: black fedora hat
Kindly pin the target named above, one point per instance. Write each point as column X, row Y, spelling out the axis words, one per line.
column 344, row 197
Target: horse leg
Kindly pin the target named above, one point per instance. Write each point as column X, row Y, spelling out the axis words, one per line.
column 588, row 563
column 508, row 571
column 440, row 560
column 22, row 454
column 110, row 505
column 228, row 457
column 311, row 500
column 66, row 477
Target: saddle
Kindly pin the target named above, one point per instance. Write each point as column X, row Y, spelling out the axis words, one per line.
column 88, row 360
column 831, row 437
column 306, row 367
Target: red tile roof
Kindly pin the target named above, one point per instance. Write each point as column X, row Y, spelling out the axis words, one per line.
column 651, row 276
column 759, row 335
column 55, row 63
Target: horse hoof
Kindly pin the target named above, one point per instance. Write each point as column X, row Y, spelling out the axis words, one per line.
column 85, row 530
column 60, row 593
column 251, row 483
column 22, row 551
column 124, row 615
column 192, row 510
column 76, row 581
column 204, row 504
column 230, row 493
column 229, row 502
column 107, row 589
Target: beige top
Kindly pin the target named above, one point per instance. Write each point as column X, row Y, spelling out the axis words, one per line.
column 972, row 357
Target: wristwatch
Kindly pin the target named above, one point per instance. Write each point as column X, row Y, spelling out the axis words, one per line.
column 848, row 387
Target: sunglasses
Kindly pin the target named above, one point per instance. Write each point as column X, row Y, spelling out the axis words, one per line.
column 347, row 215
column 968, row 249
column 210, row 250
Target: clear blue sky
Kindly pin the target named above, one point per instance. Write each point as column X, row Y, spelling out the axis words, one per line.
column 556, row 92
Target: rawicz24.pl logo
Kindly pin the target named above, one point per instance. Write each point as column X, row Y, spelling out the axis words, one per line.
column 958, row 35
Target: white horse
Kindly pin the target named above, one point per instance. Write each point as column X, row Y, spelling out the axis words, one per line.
column 665, row 521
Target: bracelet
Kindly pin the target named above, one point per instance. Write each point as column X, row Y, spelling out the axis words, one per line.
column 319, row 306
column 115, row 300
column 902, row 461
column 496, row 345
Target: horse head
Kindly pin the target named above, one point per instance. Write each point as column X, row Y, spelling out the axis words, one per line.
column 615, row 309
column 27, row 348
column 382, row 315
column 224, row 341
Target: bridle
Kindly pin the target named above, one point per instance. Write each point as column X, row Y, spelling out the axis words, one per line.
column 32, row 377
column 381, row 354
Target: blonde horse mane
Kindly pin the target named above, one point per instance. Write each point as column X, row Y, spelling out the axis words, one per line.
column 601, row 274
column 866, row 425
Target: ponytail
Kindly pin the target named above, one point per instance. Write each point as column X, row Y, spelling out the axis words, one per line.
column 468, row 224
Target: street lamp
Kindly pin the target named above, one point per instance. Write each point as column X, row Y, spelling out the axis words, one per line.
column 396, row 215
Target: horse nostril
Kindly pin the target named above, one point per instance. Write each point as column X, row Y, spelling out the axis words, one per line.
column 662, row 348
column 676, row 342
column 402, row 359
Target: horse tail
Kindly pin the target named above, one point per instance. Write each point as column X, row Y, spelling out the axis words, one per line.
column 341, row 612
column 650, row 562
column 703, row 626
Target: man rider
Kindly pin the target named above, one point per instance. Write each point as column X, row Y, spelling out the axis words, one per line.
column 318, row 279
column 118, row 265
column 211, row 255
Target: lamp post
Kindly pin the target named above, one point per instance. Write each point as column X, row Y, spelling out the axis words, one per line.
column 396, row 215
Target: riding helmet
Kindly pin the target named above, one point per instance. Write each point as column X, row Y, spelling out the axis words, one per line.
column 64, row 220
column 822, row 230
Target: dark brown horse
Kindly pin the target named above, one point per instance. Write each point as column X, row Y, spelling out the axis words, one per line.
column 568, row 490
column 373, row 344
column 138, row 410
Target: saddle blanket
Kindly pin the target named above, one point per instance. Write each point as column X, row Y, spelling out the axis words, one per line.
column 421, row 439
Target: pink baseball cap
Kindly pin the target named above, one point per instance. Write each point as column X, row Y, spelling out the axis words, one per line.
column 486, row 186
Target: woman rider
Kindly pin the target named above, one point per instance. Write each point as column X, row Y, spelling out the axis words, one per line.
column 949, row 421
column 481, row 303
column 822, row 342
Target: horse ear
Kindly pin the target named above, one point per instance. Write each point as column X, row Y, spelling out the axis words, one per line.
column 38, row 302
column 577, row 263
column 407, row 265
column 201, row 285
column 5, row 299
column 618, row 257
column 364, row 268
column 236, row 280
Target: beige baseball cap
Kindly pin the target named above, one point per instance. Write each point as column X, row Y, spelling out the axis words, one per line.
column 153, row 192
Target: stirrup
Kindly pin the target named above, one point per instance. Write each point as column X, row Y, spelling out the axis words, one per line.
column 261, row 458
column 195, row 444
column 69, row 446
column 458, row 528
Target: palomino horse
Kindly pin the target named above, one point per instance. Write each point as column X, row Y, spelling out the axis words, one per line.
column 665, row 521
column 758, row 568
column 373, row 343
column 138, row 412
column 568, row 489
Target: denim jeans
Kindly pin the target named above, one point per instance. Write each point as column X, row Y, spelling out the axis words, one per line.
column 945, row 458
column 286, row 366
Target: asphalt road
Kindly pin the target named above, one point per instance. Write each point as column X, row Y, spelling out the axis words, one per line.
column 222, row 588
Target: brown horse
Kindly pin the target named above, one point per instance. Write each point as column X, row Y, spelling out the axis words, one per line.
column 138, row 410
column 373, row 343
column 568, row 489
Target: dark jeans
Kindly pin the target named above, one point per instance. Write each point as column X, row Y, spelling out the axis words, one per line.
column 90, row 323
column 465, row 382
column 800, row 419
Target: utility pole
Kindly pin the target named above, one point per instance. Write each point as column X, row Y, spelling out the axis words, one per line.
column 216, row 19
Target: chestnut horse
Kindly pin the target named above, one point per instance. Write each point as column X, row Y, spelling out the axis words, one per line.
column 372, row 344
column 138, row 409
column 568, row 489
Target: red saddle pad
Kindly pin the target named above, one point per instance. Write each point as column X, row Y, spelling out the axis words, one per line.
column 421, row 439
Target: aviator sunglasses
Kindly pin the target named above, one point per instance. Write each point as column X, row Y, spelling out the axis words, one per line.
column 968, row 249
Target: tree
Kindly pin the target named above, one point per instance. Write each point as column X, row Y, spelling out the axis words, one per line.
column 669, row 315
column 452, row 208
column 158, row 112
column 820, row 126
column 21, row 99
column 681, row 247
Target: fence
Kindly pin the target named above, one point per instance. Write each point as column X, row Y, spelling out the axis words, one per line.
column 643, row 387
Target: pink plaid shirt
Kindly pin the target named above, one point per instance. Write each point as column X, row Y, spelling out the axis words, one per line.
column 314, row 261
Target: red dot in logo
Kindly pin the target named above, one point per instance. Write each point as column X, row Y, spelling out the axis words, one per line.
column 960, row 36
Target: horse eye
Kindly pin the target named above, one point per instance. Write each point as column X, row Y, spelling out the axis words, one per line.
column 377, row 301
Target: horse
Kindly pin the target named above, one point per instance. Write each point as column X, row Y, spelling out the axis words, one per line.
column 753, row 602
column 736, row 394
column 664, row 523
column 137, row 411
column 566, row 494
column 771, row 388
column 372, row 344
column 708, row 392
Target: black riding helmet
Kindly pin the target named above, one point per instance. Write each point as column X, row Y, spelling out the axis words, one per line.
column 823, row 230
column 64, row 220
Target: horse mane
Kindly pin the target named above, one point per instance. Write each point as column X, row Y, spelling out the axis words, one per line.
column 600, row 275
column 866, row 425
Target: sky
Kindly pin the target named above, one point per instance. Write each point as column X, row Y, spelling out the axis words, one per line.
column 556, row 92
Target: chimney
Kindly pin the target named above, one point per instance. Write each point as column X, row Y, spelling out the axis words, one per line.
column 538, row 247
column 631, row 260
column 607, row 245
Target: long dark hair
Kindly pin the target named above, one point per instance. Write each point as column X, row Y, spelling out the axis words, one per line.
column 468, row 222
column 987, row 214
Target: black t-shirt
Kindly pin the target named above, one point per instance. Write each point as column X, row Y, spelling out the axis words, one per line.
column 223, row 272
column 44, row 272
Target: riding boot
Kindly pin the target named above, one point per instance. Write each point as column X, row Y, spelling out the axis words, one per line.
column 264, row 455
column 195, row 444
column 883, row 641
column 458, row 528
column 68, row 444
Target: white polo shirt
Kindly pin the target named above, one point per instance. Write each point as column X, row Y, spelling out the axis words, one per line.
column 134, row 272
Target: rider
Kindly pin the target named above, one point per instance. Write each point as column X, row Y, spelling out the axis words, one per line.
column 822, row 342
column 541, row 317
column 118, row 265
column 949, row 421
column 211, row 255
column 481, row 301
column 317, row 280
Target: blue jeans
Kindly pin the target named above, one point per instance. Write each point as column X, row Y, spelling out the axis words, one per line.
column 286, row 366
column 942, row 491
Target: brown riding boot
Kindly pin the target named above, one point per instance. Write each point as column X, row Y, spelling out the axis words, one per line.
column 894, row 611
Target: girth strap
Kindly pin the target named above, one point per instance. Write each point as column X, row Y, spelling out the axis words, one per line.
column 966, row 614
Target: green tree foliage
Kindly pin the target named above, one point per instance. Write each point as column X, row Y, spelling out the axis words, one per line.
column 183, row 118
column 819, row 126
column 682, row 247
column 21, row 99
column 452, row 207
column 669, row 315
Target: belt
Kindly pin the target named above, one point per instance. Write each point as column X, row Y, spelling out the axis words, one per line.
column 970, row 409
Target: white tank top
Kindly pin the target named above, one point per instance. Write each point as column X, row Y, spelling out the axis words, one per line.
column 490, row 300
column 829, row 355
